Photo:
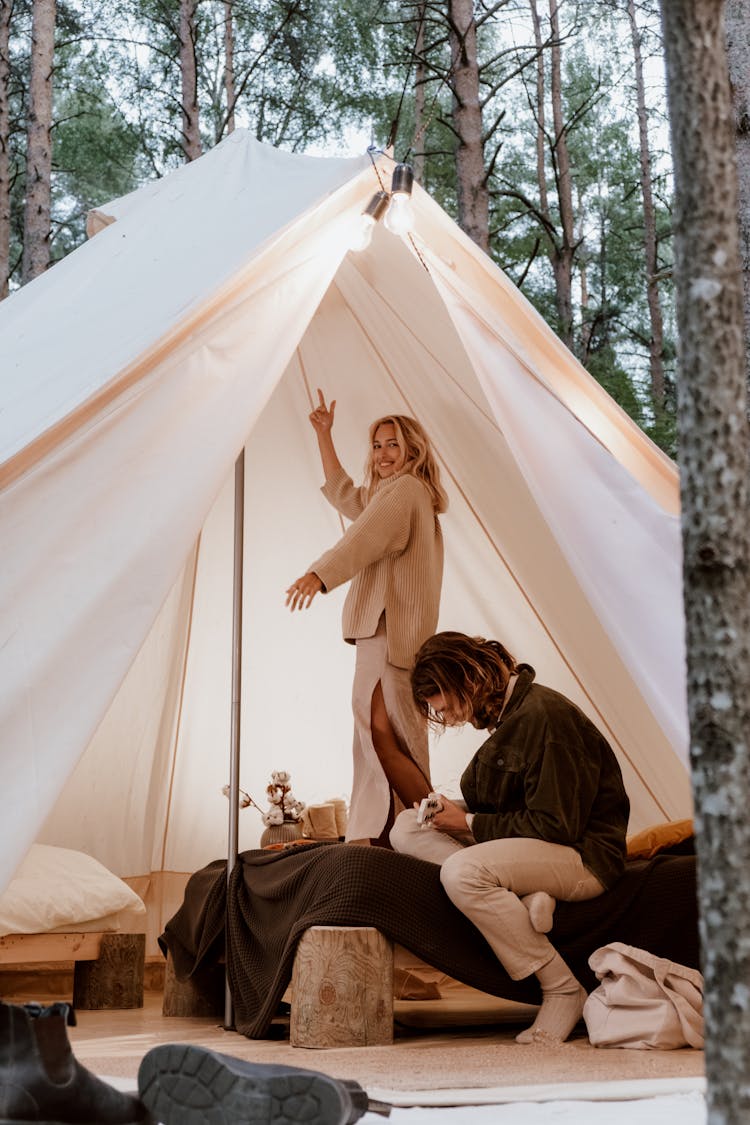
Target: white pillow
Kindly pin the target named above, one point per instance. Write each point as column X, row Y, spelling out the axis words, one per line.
column 60, row 887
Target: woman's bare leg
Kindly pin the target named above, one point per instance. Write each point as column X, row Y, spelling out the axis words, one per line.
column 404, row 775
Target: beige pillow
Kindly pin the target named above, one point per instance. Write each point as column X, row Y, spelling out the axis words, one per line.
column 56, row 887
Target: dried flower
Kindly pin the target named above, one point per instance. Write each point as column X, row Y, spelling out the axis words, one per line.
column 282, row 804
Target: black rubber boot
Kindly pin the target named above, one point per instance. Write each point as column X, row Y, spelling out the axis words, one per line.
column 187, row 1085
column 41, row 1081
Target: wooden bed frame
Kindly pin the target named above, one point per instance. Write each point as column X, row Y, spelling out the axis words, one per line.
column 107, row 968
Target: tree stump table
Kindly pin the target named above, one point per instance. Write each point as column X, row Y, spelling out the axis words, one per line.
column 203, row 997
column 342, row 988
column 115, row 978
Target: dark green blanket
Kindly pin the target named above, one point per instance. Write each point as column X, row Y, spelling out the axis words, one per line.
column 273, row 897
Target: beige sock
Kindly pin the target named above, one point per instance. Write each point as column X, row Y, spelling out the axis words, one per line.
column 541, row 908
column 562, row 1005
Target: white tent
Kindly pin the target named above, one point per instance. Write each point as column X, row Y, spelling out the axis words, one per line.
column 201, row 319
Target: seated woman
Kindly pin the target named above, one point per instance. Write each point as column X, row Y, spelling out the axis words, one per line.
column 547, row 813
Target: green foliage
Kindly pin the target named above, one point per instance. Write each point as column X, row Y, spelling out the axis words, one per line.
column 612, row 325
column 312, row 74
column 96, row 157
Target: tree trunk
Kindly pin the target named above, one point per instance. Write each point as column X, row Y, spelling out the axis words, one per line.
column 5, row 11
column 191, row 137
column 420, row 74
column 36, row 224
column 541, row 168
column 713, row 445
column 586, row 324
column 738, row 53
column 229, row 88
column 656, row 345
column 562, row 263
column 473, row 198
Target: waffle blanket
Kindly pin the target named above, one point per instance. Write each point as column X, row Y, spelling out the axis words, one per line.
column 273, row 897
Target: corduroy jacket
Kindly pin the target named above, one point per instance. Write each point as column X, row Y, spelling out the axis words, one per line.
column 546, row 772
column 393, row 553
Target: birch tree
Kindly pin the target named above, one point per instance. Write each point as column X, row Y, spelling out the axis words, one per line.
column 191, row 136
column 229, row 83
column 564, row 246
column 420, row 79
column 650, row 247
column 713, row 453
column 553, row 210
column 738, row 54
column 5, row 14
column 36, row 227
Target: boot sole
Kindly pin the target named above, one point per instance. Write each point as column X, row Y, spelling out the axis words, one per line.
column 182, row 1084
column 49, row 1121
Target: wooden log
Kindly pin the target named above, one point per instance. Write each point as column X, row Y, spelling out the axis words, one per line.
column 203, row 996
column 342, row 988
column 115, row 979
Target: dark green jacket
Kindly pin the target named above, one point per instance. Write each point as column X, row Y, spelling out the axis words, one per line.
column 547, row 773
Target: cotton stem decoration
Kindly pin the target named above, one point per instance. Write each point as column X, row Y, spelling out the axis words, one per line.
column 282, row 804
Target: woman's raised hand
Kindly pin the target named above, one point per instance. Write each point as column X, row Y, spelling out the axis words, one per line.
column 322, row 416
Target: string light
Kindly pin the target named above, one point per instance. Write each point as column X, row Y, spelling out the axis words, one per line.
column 371, row 215
column 400, row 216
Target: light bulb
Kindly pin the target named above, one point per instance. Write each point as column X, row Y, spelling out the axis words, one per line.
column 400, row 214
column 371, row 215
column 362, row 236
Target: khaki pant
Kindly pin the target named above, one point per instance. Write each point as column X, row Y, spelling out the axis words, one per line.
column 371, row 792
column 485, row 881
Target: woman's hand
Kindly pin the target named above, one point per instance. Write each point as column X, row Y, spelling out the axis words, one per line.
column 451, row 818
column 321, row 418
column 301, row 593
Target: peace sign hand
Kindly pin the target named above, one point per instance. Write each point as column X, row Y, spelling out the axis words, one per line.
column 321, row 418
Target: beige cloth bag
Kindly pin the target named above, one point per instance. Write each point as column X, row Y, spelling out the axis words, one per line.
column 643, row 1001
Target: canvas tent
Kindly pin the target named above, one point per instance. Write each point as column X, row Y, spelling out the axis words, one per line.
column 200, row 320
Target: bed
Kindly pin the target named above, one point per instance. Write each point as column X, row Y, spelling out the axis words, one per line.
column 274, row 897
column 64, row 915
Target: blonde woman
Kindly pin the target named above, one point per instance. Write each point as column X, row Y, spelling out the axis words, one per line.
column 393, row 554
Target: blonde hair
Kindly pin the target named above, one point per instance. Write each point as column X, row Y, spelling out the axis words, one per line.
column 419, row 460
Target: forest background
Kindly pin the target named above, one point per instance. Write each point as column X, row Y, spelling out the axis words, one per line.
column 540, row 125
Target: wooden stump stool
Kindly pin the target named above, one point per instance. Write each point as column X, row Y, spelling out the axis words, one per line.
column 342, row 988
column 115, row 979
column 195, row 997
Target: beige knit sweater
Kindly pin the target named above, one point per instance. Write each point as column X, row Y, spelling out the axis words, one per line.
column 393, row 552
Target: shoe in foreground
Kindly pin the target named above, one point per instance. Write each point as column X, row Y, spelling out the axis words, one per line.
column 42, row 1081
column 183, row 1084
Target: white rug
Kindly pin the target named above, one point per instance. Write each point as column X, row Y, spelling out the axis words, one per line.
column 659, row 1101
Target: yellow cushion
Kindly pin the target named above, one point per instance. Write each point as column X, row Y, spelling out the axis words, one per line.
column 651, row 841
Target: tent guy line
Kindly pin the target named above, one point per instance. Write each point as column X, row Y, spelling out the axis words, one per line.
column 311, row 404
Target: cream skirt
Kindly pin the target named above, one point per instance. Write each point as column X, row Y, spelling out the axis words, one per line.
column 371, row 793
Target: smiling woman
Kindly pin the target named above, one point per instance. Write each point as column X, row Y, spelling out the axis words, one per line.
column 393, row 555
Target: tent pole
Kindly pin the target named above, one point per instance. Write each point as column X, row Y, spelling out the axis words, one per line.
column 234, row 748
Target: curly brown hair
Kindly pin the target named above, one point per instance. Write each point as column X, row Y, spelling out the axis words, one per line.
column 474, row 670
